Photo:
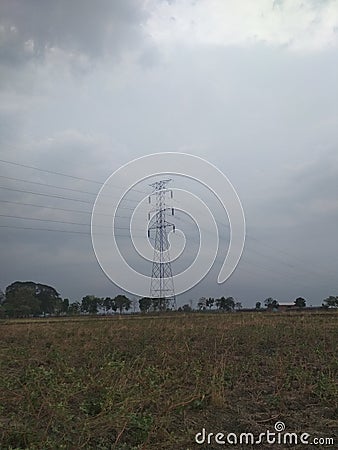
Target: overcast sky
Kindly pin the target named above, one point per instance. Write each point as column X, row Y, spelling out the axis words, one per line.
column 250, row 86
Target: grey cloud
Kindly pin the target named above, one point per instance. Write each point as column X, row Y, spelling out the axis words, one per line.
column 149, row 57
column 319, row 178
column 307, row 195
column 30, row 28
column 88, row 156
column 10, row 123
column 264, row 116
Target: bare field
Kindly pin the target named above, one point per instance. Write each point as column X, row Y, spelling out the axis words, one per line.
column 144, row 382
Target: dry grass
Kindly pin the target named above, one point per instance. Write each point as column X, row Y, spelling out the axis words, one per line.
column 154, row 382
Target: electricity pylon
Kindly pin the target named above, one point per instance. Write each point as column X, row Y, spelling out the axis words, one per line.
column 162, row 283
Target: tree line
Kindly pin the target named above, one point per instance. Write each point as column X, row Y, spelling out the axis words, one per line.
column 27, row 299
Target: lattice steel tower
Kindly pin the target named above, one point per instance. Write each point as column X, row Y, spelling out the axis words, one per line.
column 162, row 283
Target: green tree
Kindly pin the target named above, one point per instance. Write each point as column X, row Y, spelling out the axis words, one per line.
column 155, row 304
column 22, row 302
column 108, row 304
column 300, row 302
column 210, row 302
column 74, row 308
column 145, row 304
column 220, row 303
column 2, row 309
column 65, row 305
column 160, row 304
column 202, row 303
column 2, row 296
column 186, row 308
column 225, row 304
column 122, row 303
column 270, row 303
column 229, row 304
column 238, row 306
column 330, row 302
column 47, row 299
column 90, row 304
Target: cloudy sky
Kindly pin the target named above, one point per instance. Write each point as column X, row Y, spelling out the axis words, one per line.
column 250, row 86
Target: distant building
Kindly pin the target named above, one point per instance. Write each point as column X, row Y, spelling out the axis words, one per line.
column 283, row 306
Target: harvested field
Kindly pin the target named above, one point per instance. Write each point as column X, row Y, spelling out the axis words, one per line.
column 143, row 382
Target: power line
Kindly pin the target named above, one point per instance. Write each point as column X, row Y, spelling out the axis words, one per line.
column 44, row 229
column 57, row 187
column 49, row 171
column 60, row 231
column 277, row 252
column 8, row 216
column 47, row 185
column 56, row 196
column 61, row 174
column 45, row 195
column 58, row 221
column 100, row 183
column 122, row 236
column 45, row 207
column 61, row 209
column 278, row 259
column 264, row 267
column 277, row 255
column 274, row 272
